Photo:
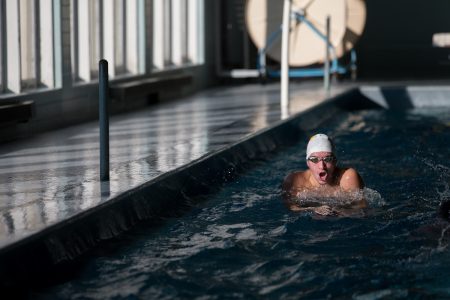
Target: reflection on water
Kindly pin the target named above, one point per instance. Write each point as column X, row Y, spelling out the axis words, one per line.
column 56, row 177
column 244, row 243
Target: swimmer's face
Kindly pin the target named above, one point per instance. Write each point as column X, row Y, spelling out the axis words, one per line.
column 322, row 166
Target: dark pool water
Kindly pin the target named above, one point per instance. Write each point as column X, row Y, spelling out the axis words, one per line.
column 244, row 244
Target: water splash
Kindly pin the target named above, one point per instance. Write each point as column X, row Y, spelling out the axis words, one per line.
column 339, row 198
column 441, row 245
column 373, row 197
column 443, row 189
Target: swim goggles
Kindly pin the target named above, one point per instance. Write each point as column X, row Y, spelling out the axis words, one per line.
column 326, row 159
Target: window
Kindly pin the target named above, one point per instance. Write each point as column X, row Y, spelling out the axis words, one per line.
column 28, row 57
column 48, row 38
column 85, row 28
column 135, row 36
column 177, row 32
column 109, row 29
column 13, row 54
column 195, row 33
column 2, row 43
column 27, row 44
column 160, row 40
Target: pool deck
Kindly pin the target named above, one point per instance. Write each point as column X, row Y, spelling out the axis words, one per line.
column 54, row 177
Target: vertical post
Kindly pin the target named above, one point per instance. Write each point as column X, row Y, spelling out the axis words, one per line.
column 103, row 91
column 218, row 38
column 326, row 71
column 285, row 59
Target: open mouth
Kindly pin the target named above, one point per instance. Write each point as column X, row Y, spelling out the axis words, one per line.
column 323, row 175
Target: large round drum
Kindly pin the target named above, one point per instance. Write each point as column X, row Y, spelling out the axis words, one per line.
column 347, row 20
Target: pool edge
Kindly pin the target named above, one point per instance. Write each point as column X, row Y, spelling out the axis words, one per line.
column 168, row 194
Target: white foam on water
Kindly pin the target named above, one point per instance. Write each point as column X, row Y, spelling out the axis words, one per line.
column 382, row 294
column 373, row 197
column 339, row 198
column 442, row 245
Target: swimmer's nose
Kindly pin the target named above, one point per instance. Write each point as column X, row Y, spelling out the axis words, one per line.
column 322, row 164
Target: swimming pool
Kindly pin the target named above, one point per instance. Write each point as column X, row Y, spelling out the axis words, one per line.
column 243, row 243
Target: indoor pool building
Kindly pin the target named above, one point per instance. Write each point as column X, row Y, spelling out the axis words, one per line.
column 144, row 146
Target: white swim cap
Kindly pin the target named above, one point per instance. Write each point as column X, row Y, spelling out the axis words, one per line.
column 319, row 143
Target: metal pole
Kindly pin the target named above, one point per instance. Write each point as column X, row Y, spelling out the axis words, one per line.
column 326, row 71
column 103, row 91
column 285, row 59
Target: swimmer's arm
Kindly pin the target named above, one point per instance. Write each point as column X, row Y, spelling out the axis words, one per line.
column 362, row 203
column 351, row 180
column 296, row 207
column 323, row 210
column 292, row 186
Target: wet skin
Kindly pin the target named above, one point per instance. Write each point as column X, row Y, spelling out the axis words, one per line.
column 322, row 176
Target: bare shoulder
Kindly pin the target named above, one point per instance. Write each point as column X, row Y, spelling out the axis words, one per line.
column 351, row 180
column 294, row 182
column 292, row 185
column 295, row 179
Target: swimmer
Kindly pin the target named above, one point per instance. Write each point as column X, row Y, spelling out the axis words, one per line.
column 323, row 177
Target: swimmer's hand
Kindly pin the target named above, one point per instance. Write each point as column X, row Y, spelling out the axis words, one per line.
column 323, row 210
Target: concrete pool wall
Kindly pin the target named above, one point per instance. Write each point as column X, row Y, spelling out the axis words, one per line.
column 174, row 192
